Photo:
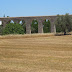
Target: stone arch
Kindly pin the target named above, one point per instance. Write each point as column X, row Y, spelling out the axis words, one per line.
column 46, row 26
column 22, row 22
column 16, row 21
column 34, row 26
column 8, row 21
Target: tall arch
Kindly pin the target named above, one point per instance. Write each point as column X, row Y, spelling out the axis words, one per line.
column 46, row 26
column 34, row 26
column 22, row 22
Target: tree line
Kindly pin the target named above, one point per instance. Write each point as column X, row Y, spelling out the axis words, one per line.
column 64, row 23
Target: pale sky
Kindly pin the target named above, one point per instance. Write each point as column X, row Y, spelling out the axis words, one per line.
column 15, row 8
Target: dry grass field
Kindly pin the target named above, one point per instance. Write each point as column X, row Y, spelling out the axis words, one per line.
column 36, row 53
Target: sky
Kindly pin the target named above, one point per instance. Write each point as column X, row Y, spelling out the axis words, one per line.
column 18, row 8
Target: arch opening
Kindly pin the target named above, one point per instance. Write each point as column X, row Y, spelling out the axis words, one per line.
column 34, row 26
column 11, row 21
column 22, row 23
column 46, row 26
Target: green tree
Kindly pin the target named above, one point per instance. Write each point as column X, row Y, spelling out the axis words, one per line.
column 13, row 28
column 7, row 16
column 64, row 23
column 46, row 26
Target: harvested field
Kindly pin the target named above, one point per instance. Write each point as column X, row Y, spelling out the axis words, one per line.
column 36, row 53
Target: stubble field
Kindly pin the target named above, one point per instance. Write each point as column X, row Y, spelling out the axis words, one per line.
column 36, row 53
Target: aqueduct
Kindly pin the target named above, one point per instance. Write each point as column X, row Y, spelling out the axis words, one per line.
column 28, row 21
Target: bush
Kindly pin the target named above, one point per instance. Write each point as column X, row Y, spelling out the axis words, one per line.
column 13, row 28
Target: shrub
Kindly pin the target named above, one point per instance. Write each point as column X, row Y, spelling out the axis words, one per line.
column 13, row 28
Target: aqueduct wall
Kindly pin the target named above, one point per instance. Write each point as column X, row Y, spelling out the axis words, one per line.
column 28, row 21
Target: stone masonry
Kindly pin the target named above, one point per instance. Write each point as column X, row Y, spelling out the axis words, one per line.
column 28, row 21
